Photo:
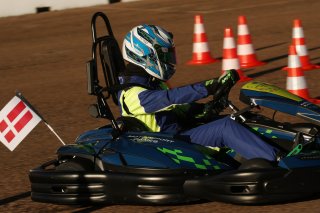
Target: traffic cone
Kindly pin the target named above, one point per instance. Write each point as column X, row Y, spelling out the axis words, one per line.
column 296, row 82
column 230, row 58
column 299, row 41
column 200, row 53
column 246, row 52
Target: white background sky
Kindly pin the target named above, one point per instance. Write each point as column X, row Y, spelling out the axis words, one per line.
column 19, row 7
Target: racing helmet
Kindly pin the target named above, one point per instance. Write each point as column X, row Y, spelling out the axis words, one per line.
column 152, row 48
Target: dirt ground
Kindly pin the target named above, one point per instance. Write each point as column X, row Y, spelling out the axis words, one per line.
column 44, row 55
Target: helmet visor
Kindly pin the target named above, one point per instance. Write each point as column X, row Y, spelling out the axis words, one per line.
column 166, row 55
column 169, row 71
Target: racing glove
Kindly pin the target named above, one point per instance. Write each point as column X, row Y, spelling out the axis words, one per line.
column 212, row 109
column 212, row 85
column 229, row 77
column 222, row 85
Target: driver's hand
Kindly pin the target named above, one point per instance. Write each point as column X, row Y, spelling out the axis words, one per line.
column 229, row 78
column 219, row 105
column 211, row 86
column 224, row 83
column 213, row 108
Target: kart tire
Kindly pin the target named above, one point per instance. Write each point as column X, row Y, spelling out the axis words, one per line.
column 256, row 163
column 75, row 164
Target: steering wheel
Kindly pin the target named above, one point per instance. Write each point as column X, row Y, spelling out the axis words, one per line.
column 218, row 103
column 221, row 101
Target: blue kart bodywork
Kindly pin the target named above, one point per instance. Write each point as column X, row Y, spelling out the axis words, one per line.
column 280, row 100
column 144, row 150
column 125, row 164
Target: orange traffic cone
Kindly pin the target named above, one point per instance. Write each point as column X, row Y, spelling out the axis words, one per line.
column 299, row 41
column 246, row 52
column 230, row 58
column 296, row 82
column 201, row 53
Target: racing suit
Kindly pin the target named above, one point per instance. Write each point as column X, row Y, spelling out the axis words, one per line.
column 169, row 110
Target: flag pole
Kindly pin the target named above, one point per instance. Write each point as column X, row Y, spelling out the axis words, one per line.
column 19, row 95
column 52, row 130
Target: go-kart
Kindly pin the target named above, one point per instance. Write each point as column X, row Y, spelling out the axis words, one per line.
column 123, row 163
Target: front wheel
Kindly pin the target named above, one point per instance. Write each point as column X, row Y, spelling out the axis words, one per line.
column 76, row 164
column 256, row 163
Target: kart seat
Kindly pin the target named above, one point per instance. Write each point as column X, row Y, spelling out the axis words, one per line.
column 106, row 49
column 112, row 63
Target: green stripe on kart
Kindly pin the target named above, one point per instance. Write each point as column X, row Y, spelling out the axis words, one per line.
column 177, row 157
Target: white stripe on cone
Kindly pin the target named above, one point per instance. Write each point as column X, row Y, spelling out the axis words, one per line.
column 243, row 29
column 232, row 63
column 228, row 43
column 297, row 32
column 245, row 49
column 296, row 83
column 301, row 50
column 199, row 28
column 200, row 47
column 294, row 61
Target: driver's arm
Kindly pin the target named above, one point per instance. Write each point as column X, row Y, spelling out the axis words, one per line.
column 140, row 100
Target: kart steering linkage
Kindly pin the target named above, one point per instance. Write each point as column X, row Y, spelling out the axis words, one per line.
column 238, row 113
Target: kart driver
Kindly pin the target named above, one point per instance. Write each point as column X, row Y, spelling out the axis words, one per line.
column 150, row 55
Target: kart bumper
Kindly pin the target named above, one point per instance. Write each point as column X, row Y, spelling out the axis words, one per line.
column 64, row 187
column 259, row 186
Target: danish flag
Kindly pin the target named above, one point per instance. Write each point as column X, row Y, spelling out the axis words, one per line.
column 17, row 119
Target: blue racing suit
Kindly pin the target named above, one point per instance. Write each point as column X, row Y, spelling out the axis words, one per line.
column 168, row 110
